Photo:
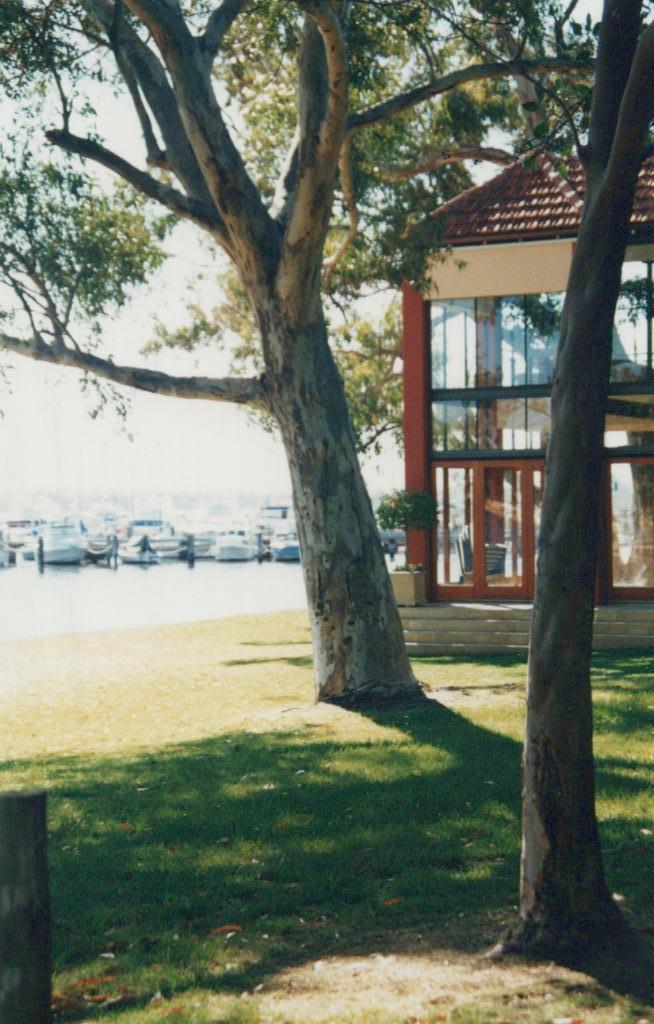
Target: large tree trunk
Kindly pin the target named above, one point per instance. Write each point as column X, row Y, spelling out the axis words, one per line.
column 564, row 900
column 564, row 897
column 359, row 652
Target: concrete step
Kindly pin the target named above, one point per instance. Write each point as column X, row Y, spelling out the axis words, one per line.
column 613, row 643
column 444, row 626
column 480, row 611
column 629, row 611
column 623, row 629
column 451, row 636
column 461, row 628
column 462, row 650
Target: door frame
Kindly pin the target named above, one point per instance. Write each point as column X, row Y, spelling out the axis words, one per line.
column 478, row 589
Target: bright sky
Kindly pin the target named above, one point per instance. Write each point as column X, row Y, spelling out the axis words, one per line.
column 49, row 443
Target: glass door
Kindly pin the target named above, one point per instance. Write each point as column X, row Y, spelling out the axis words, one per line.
column 454, row 533
column 631, row 529
column 488, row 518
column 503, row 531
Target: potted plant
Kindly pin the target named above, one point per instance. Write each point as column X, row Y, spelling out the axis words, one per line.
column 408, row 510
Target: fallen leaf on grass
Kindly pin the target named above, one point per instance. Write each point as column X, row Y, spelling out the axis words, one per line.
column 233, row 928
column 127, row 826
column 392, row 902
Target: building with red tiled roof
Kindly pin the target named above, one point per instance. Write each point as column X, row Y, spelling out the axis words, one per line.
column 479, row 352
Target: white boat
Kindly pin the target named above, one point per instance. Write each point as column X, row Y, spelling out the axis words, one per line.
column 235, row 544
column 63, row 543
column 203, row 542
column 285, row 547
column 22, row 532
column 168, row 545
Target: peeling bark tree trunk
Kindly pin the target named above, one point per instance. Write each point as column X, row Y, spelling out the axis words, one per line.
column 565, row 901
column 359, row 652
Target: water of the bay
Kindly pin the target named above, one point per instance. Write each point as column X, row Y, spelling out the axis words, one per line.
column 81, row 599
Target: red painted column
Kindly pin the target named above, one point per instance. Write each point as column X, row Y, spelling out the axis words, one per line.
column 417, row 414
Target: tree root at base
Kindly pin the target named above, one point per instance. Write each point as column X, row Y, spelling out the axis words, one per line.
column 567, row 943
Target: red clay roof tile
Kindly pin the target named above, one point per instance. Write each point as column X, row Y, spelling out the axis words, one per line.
column 525, row 205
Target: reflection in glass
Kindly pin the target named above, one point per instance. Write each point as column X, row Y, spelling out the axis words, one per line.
column 632, row 524
column 539, row 422
column 629, row 421
column 497, row 424
column 502, row 424
column 454, row 426
column 542, row 324
column 495, row 342
column 502, row 527
column 629, row 349
column 454, row 531
column 453, row 344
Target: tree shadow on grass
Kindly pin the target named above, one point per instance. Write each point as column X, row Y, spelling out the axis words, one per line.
column 310, row 844
column 300, row 661
column 215, row 864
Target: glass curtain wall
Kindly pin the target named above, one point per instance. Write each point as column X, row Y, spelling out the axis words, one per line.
column 493, row 361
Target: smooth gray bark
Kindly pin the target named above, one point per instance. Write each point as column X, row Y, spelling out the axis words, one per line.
column 565, row 902
column 359, row 652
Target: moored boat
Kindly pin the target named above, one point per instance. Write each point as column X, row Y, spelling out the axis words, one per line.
column 61, row 543
column 285, row 547
column 169, row 545
column 235, row 544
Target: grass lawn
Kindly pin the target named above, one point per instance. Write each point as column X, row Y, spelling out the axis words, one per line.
column 221, row 850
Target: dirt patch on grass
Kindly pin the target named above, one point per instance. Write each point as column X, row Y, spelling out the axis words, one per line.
column 417, row 985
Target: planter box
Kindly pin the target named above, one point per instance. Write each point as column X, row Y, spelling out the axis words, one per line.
column 409, row 587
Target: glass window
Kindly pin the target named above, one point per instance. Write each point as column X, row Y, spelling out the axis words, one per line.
column 542, row 327
column 503, row 424
column 500, row 342
column 539, row 422
column 454, row 496
column 629, row 421
column 453, row 344
column 632, row 524
column 629, row 350
column 454, row 426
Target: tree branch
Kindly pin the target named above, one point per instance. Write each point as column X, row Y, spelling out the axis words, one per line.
column 474, row 73
column 333, row 118
column 617, row 44
column 347, row 184
column 155, row 87
column 634, row 116
column 218, row 24
column 184, row 206
column 439, row 158
column 239, row 390
column 252, row 235
column 322, row 114
column 560, row 22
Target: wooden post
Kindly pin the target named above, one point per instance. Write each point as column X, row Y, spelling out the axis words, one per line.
column 40, row 559
column 417, row 416
column 25, row 992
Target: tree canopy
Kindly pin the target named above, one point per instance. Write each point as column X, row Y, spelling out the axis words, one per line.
column 310, row 141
